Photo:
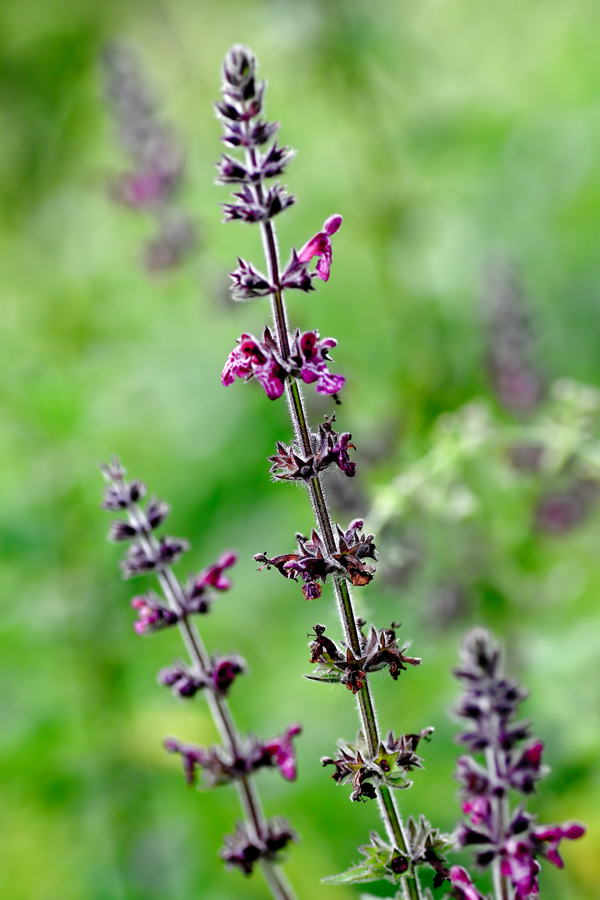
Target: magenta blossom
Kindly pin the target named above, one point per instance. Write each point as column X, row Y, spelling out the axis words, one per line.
column 464, row 889
column 261, row 359
column 313, row 356
column 519, row 864
column 282, row 751
column 152, row 615
column 213, row 575
column 255, row 358
column 552, row 835
column 320, row 245
column 479, row 809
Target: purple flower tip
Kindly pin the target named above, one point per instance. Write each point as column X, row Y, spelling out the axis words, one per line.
column 332, row 224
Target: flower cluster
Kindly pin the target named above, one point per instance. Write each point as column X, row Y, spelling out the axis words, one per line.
column 240, row 112
column 517, row 384
column 262, row 360
column 511, row 841
column 338, row 662
column 243, row 848
column 312, row 563
column 157, row 164
column 396, row 756
column 222, row 765
column 249, row 282
column 186, row 683
column 331, row 449
column 147, row 554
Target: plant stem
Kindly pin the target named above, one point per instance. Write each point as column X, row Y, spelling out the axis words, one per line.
column 495, row 763
column 387, row 806
column 201, row 665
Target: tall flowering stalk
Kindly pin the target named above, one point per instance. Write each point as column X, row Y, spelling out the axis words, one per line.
column 156, row 159
column 256, row 840
column 280, row 360
column 510, row 761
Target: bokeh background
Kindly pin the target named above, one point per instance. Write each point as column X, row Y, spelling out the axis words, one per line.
column 450, row 135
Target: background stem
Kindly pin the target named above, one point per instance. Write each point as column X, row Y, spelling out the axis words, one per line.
column 248, row 795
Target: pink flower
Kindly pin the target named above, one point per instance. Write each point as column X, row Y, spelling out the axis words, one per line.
column 464, row 889
column 255, row 358
column 213, row 576
column 282, row 751
column 553, row 834
column 479, row 809
column 520, row 865
column 152, row 615
column 313, row 355
column 320, row 246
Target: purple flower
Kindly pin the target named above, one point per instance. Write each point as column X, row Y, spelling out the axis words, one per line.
column 213, row 575
column 144, row 188
column 152, row 615
column 192, row 757
column 464, row 889
column 261, row 360
column 320, row 245
column 528, row 769
column 479, row 810
column 224, row 672
column 519, row 864
column 313, row 355
column 255, row 358
column 182, row 681
column 552, row 835
column 282, row 751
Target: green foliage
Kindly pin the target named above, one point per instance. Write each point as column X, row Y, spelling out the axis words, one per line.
column 378, row 855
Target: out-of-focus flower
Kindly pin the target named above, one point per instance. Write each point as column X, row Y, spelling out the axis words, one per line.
column 463, row 887
column 152, row 615
column 156, row 160
column 283, row 753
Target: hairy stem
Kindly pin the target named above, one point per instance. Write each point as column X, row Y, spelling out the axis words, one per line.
column 501, row 814
column 201, row 666
column 390, row 815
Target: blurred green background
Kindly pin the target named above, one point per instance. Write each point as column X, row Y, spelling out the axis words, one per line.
column 446, row 133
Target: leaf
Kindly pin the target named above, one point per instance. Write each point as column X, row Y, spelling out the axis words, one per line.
column 357, row 875
column 326, row 676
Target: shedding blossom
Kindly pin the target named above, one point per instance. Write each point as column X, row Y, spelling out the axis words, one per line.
column 320, row 245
